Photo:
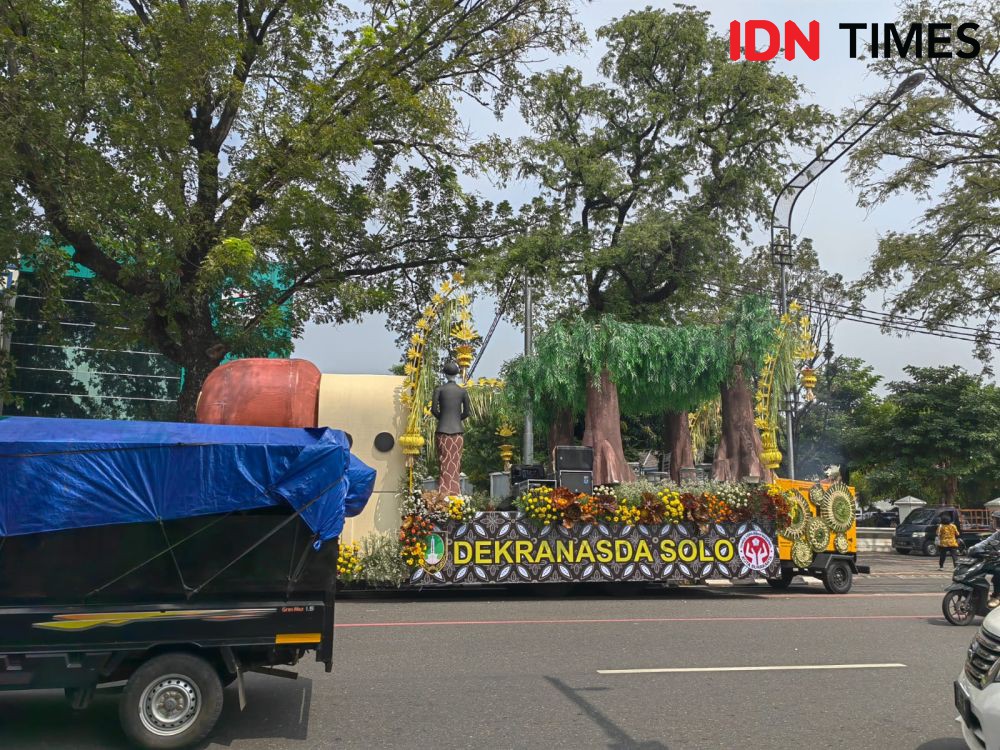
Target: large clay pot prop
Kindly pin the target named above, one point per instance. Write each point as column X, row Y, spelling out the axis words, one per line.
column 262, row 392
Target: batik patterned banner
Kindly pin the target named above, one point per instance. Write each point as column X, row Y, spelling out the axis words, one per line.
column 507, row 548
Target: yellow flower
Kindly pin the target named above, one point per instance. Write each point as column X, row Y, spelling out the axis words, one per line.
column 457, row 277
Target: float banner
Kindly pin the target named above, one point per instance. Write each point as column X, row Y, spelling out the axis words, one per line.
column 506, row 547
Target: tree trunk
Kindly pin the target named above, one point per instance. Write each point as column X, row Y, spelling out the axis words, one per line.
column 738, row 455
column 950, row 490
column 196, row 369
column 560, row 433
column 677, row 442
column 604, row 432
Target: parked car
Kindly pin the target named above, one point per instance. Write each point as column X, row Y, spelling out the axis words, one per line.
column 919, row 530
column 882, row 519
column 977, row 690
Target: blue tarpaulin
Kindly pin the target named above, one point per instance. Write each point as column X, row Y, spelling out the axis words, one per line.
column 58, row 474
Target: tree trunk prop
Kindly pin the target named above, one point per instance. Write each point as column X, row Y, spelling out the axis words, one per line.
column 560, row 433
column 449, row 448
column 677, row 442
column 604, row 432
column 738, row 455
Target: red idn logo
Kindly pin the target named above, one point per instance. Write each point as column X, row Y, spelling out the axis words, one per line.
column 794, row 37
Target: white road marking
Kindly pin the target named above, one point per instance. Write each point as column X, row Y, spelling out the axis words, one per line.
column 785, row 668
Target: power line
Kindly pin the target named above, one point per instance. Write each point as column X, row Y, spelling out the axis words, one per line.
column 884, row 321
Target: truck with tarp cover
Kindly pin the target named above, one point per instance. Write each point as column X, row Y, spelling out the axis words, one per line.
column 171, row 557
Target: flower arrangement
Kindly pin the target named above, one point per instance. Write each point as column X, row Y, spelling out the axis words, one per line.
column 349, row 562
column 411, row 536
column 717, row 509
column 673, row 509
column 626, row 514
column 537, row 505
column 460, row 508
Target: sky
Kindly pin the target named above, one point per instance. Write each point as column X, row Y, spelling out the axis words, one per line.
column 844, row 235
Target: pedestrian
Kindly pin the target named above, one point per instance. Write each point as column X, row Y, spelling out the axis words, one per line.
column 947, row 541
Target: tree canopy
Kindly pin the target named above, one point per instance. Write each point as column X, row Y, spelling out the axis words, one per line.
column 213, row 161
column 648, row 173
column 655, row 368
column 932, row 433
column 942, row 146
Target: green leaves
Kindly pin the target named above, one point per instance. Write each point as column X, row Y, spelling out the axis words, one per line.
column 934, row 431
column 655, row 368
column 943, row 146
column 162, row 140
column 651, row 169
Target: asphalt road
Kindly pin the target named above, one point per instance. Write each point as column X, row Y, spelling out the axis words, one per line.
column 490, row 670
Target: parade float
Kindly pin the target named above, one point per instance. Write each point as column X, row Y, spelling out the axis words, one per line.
column 423, row 528
column 751, row 526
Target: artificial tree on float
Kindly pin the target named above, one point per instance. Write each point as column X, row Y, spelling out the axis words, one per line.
column 605, row 367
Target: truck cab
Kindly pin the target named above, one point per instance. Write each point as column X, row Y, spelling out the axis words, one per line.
column 918, row 531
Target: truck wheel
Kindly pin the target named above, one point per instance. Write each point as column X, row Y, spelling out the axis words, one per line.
column 783, row 581
column 838, row 578
column 930, row 549
column 171, row 701
column 904, row 551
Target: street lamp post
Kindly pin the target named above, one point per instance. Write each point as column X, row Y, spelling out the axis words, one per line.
column 784, row 205
column 528, row 452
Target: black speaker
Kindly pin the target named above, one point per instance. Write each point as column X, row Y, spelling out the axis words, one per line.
column 523, row 472
column 578, row 481
column 574, row 458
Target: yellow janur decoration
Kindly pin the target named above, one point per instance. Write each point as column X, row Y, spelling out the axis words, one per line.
column 446, row 306
column 794, row 344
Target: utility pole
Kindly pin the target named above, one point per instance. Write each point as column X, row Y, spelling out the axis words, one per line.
column 8, row 282
column 528, row 451
column 784, row 204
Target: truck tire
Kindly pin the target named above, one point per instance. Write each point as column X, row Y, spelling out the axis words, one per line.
column 838, row 578
column 171, row 701
column 783, row 581
column 930, row 549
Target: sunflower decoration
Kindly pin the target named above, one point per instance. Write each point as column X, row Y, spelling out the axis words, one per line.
column 837, row 508
column 799, row 513
column 817, row 534
column 841, row 543
column 802, row 554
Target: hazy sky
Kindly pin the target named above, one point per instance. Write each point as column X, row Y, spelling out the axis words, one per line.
column 844, row 235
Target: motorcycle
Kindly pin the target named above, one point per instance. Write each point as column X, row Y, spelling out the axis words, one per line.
column 969, row 593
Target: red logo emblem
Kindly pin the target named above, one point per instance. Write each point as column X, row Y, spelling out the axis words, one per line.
column 756, row 550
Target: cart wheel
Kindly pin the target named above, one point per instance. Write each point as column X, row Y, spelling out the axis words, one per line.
column 838, row 578
column 171, row 701
column 783, row 581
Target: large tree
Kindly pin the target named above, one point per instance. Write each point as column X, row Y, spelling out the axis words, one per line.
column 933, row 432
column 943, row 146
column 649, row 175
column 228, row 166
column 845, row 398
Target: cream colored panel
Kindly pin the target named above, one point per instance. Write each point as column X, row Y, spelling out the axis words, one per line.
column 364, row 406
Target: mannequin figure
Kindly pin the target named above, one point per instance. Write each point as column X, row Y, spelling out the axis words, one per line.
column 450, row 406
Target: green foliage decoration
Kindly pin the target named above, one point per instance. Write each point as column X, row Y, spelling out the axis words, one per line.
column 655, row 368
